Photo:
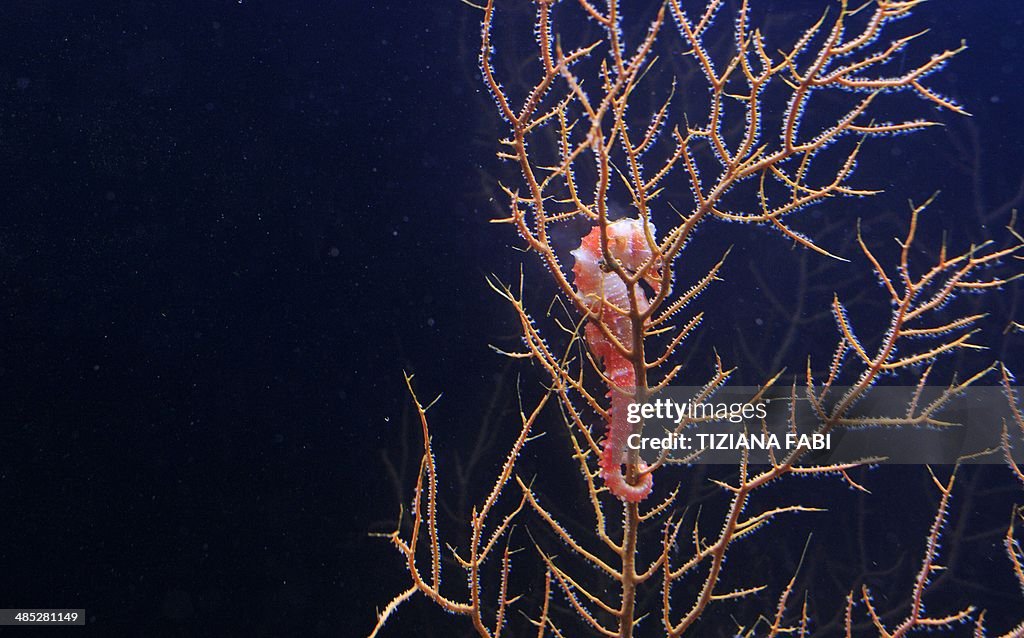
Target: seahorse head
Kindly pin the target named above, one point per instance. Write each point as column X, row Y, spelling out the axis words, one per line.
column 628, row 243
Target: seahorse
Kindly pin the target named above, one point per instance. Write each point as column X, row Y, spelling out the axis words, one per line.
column 599, row 286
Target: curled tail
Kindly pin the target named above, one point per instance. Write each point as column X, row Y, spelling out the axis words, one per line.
column 614, row 453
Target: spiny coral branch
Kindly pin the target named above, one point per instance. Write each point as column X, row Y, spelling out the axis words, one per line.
column 766, row 131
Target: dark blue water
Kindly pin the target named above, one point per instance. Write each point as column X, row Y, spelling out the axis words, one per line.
column 226, row 230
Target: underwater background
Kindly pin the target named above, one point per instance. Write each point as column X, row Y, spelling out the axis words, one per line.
column 227, row 228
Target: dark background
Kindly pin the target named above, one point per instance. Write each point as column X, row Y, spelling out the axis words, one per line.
column 226, row 228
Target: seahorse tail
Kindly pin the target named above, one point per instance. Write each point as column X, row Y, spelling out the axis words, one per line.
column 613, row 454
column 611, row 473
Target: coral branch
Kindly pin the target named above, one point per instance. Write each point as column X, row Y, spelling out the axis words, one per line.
column 638, row 136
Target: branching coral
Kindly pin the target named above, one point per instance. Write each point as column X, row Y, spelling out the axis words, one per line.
column 749, row 131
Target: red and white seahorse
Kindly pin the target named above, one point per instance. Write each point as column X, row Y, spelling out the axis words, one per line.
column 597, row 286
